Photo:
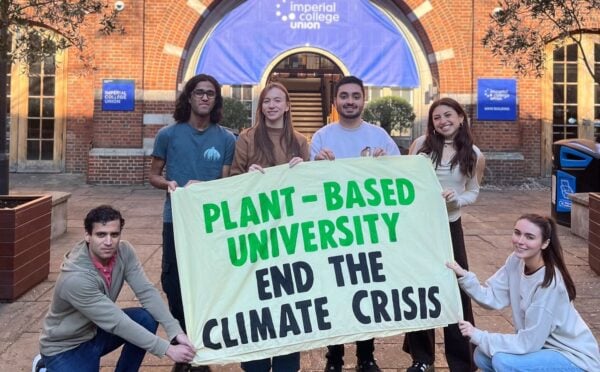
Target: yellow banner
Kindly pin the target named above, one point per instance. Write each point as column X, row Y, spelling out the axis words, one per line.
column 327, row 252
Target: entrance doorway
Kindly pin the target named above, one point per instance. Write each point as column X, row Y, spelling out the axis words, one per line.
column 310, row 79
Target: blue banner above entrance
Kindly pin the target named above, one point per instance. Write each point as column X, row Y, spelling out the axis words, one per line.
column 360, row 36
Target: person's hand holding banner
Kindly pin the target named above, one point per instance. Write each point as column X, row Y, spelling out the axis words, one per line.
column 323, row 253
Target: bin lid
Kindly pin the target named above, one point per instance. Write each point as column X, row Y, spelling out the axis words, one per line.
column 584, row 145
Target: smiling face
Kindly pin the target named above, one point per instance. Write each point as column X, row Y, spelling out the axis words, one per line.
column 349, row 101
column 274, row 106
column 104, row 240
column 446, row 121
column 528, row 243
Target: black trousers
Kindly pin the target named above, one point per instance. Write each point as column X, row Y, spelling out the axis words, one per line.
column 459, row 351
column 364, row 351
column 169, row 277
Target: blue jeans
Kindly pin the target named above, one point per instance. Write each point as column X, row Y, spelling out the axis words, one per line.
column 542, row 360
column 86, row 357
column 280, row 363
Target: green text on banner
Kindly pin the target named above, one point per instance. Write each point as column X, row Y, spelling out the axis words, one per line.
column 324, row 253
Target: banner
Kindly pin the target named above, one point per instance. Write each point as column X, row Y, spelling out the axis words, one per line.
column 358, row 34
column 327, row 252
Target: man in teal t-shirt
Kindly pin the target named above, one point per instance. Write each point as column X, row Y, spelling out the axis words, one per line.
column 194, row 149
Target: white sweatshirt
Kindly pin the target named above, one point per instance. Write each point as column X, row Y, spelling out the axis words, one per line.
column 543, row 317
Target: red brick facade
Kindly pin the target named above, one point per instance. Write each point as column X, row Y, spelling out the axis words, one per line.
column 155, row 28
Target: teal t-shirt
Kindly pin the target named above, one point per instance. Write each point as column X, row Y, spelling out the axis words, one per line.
column 190, row 154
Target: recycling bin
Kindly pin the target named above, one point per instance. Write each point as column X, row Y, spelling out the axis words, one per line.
column 576, row 168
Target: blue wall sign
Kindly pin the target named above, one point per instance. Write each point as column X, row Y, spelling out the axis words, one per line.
column 497, row 99
column 118, row 95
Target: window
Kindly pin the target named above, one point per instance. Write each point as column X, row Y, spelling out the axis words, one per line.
column 37, row 114
column 40, row 113
column 243, row 93
column 575, row 94
column 8, row 85
column 564, row 93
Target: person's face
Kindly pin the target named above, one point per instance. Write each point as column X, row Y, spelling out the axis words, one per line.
column 274, row 105
column 446, row 121
column 350, row 101
column 527, row 241
column 104, row 240
column 202, row 98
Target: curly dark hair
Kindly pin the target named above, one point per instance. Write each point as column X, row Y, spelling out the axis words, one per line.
column 183, row 108
column 102, row 214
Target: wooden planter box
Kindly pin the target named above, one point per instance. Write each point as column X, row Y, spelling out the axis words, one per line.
column 25, row 231
column 594, row 233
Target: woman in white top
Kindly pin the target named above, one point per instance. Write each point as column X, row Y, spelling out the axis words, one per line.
column 459, row 167
column 535, row 283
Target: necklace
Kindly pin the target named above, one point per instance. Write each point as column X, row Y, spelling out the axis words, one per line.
column 448, row 143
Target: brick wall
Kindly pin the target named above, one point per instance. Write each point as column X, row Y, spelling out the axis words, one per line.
column 117, row 170
column 156, row 30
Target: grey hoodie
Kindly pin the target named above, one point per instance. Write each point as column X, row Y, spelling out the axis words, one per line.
column 82, row 302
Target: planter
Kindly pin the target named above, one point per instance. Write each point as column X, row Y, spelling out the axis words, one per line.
column 25, row 229
column 594, row 233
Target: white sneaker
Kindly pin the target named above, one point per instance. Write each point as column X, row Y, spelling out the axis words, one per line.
column 38, row 365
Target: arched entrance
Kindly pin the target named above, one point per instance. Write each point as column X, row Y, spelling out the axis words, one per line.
column 243, row 44
column 310, row 79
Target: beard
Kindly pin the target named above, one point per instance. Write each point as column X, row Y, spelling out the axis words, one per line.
column 349, row 116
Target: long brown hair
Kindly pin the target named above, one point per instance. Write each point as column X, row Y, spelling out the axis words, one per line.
column 288, row 140
column 465, row 157
column 552, row 254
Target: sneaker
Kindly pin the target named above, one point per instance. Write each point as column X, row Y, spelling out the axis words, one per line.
column 367, row 366
column 420, row 367
column 38, row 364
column 333, row 367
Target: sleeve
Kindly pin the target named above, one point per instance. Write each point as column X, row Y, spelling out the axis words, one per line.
column 316, row 144
column 538, row 325
column 391, row 148
column 161, row 144
column 494, row 295
column 416, row 145
column 304, row 148
column 147, row 293
column 83, row 293
column 240, row 160
column 469, row 196
column 229, row 149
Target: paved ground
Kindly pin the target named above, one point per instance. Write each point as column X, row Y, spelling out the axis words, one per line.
column 487, row 225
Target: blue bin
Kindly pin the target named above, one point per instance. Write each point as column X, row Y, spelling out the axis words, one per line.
column 576, row 168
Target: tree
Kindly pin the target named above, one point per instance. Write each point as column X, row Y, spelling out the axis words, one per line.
column 235, row 115
column 42, row 28
column 520, row 30
column 390, row 112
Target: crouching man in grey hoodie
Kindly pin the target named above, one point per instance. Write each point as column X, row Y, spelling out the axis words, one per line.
column 84, row 323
